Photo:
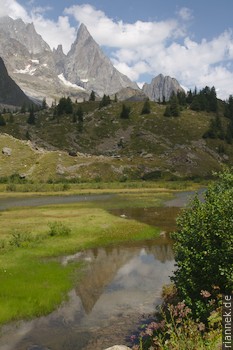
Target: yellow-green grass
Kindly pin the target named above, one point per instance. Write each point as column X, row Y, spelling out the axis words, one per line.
column 40, row 189
column 32, row 284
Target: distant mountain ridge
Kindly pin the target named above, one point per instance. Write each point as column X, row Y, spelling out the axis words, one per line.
column 161, row 88
column 41, row 72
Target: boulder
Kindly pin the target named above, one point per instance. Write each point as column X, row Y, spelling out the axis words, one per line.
column 118, row 347
column 72, row 153
column 6, row 151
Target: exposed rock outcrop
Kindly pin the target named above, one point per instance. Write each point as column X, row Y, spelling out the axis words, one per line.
column 130, row 94
column 6, row 151
column 88, row 66
column 161, row 88
column 41, row 72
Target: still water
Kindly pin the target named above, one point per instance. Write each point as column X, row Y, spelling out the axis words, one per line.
column 120, row 285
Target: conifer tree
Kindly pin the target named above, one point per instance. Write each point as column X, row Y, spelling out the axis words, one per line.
column 228, row 112
column 44, row 104
column 92, row 96
column 65, row 106
column 23, row 108
column 174, row 106
column 2, row 120
column 125, row 112
column 105, row 101
column 31, row 119
column 146, row 109
column 80, row 114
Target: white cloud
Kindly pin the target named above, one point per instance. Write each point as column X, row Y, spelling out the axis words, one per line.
column 13, row 9
column 141, row 48
column 54, row 33
column 122, row 35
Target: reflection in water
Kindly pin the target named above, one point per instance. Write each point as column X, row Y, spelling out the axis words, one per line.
column 119, row 285
column 108, row 263
column 164, row 218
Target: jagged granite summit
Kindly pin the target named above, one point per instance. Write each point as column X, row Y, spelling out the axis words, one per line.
column 87, row 65
column 161, row 88
column 32, row 64
column 41, row 72
column 10, row 93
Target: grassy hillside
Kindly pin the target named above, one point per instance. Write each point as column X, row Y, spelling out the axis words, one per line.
column 111, row 148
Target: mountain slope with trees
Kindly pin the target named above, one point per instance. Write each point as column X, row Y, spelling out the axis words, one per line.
column 111, row 140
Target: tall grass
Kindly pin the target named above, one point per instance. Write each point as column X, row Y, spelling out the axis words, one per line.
column 70, row 187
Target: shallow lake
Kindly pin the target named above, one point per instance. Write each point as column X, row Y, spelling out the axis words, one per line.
column 120, row 285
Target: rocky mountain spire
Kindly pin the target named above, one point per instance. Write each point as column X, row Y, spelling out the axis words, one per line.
column 25, row 34
column 87, row 65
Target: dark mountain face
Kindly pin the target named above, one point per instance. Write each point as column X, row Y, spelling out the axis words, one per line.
column 10, row 93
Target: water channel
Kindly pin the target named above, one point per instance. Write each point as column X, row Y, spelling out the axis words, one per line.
column 119, row 285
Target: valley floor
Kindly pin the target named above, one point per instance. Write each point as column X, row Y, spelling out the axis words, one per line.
column 32, row 283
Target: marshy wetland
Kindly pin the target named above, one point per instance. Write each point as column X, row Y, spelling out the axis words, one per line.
column 80, row 271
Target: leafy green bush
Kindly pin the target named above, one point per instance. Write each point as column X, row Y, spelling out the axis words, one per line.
column 204, row 247
column 58, row 229
column 22, row 239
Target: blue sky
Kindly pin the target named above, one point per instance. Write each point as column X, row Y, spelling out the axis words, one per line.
column 210, row 17
column 189, row 40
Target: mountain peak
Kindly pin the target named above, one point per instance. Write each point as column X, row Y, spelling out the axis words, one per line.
column 83, row 29
column 87, row 64
column 83, row 35
column 161, row 87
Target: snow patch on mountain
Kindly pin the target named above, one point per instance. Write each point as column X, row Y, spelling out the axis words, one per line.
column 68, row 83
column 28, row 70
column 35, row 61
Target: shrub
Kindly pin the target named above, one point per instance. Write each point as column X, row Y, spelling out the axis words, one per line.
column 176, row 330
column 204, row 247
column 19, row 239
column 58, row 229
